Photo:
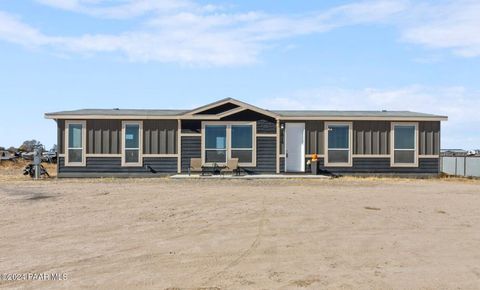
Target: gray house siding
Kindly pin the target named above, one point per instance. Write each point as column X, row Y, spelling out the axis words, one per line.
column 60, row 136
column 104, row 136
column 371, row 137
column 266, row 156
column 382, row 166
column 265, row 124
column 111, row 166
column 429, row 138
column 314, row 137
column 191, row 148
column 191, row 126
column 160, row 136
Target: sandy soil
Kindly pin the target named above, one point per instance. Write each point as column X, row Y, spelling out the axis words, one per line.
column 160, row 233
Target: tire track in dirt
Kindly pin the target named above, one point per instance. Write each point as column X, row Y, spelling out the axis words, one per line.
column 248, row 251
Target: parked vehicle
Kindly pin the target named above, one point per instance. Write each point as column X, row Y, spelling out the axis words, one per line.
column 7, row 156
column 27, row 155
column 50, row 156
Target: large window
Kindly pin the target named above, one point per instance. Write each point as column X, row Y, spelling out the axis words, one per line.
column 132, row 144
column 215, row 143
column 226, row 140
column 338, row 144
column 75, row 143
column 404, row 144
column 242, row 143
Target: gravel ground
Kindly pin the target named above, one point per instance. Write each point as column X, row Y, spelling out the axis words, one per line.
column 347, row 233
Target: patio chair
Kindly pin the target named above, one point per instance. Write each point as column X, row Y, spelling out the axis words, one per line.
column 232, row 166
column 196, row 166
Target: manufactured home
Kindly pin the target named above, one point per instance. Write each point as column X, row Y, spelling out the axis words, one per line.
column 123, row 142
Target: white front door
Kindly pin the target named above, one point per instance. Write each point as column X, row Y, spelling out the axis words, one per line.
column 294, row 147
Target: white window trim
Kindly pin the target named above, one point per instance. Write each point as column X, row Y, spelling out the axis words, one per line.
column 350, row 145
column 84, row 143
column 140, row 144
column 229, row 142
column 392, row 144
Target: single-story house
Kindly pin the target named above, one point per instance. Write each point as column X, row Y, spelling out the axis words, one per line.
column 124, row 142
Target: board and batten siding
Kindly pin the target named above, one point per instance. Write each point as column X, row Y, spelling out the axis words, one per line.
column 429, row 138
column 60, row 136
column 104, row 136
column 371, row 137
column 314, row 137
column 160, row 136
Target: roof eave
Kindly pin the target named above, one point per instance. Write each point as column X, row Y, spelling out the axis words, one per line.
column 366, row 118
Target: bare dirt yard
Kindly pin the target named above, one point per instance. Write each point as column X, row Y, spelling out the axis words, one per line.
column 160, row 233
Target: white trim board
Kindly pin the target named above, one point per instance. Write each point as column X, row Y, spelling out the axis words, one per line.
column 228, row 140
column 140, row 144
column 84, row 143
column 392, row 144
column 350, row 144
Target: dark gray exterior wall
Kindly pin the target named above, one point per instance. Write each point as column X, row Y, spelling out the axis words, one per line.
column 314, row 137
column 265, row 124
column 266, row 156
column 60, row 136
column 191, row 148
column 429, row 138
column 111, row 166
column 191, row 126
column 371, row 137
column 104, row 136
column 160, row 136
column 382, row 166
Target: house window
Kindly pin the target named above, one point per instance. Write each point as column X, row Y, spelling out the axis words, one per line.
column 75, row 143
column 132, row 143
column 339, row 137
column 225, row 140
column 404, row 144
column 242, row 143
column 215, row 143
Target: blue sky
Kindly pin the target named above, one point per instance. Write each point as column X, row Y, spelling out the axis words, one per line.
column 292, row 54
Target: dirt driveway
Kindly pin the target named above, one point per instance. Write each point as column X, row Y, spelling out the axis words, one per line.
column 160, row 233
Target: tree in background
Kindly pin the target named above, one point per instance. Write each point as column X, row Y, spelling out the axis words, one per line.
column 29, row 145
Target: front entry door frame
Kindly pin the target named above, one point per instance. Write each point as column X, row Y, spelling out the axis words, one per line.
column 295, row 147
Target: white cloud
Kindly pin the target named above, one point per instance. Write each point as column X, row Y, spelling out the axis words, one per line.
column 188, row 33
column 452, row 25
column 459, row 104
column 118, row 9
